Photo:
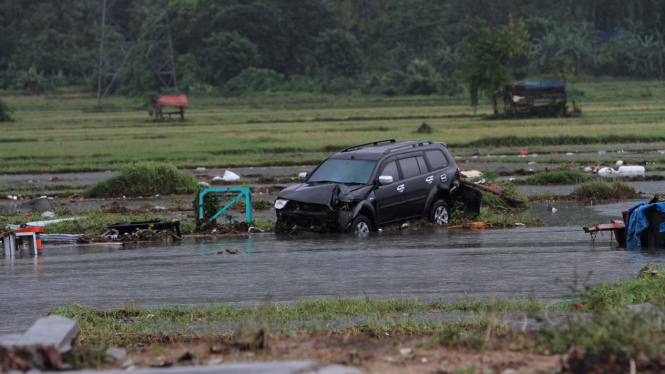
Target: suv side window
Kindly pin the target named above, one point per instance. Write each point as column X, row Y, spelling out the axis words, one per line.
column 409, row 167
column 437, row 159
column 391, row 169
column 422, row 164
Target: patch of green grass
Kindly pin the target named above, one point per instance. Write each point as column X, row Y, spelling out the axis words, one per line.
column 555, row 177
column 145, row 178
column 600, row 190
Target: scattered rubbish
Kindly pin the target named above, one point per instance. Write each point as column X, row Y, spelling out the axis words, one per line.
column 12, row 197
column 648, row 272
column 531, row 163
column 228, row 252
column 617, row 227
column 588, row 169
column 522, row 153
column 482, row 181
column 519, row 224
column 115, row 354
column 472, row 174
column 255, row 229
column 619, row 163
column 44, row 223
column 495, row 189
column 481, row 225
column 204, row 184
column 511, row 179
column 570, row 154
column 65, row 238
column 632, row 170
column 552, row 209
column 230, row 176
column 405, row 351
column 404, row 226
column 48, row 214
column 200, row 169
column 645, row 223
column 601, row 153
column 131, row 228
column 41, row 347
column 217, row 179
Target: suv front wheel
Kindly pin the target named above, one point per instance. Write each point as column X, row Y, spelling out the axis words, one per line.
column 361, row 225
column 439, row 215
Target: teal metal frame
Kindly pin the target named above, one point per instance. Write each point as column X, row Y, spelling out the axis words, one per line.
column 235, row 193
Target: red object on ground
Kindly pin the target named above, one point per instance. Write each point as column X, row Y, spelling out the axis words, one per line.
column 172, row 100
column 618, row 227
column 580, row 305
column 523, row 153
column 27, row 215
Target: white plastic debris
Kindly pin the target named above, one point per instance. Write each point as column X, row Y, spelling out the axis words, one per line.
column 619, row 162
column 200, row 169
column 519, row 224
column 631, row 170
column 570, row 154
column 254, row 229
column 217, row 179
column 48, row 214
column 482, row 181
column 230, row 176
column 532, row 163
column 472, row 173
column 588, row 169
column 607, row 171
column 204, row 184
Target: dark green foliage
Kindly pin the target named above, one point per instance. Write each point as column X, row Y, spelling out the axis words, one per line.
column 338, row 53
column 5, row 113
column 145, row 179
column 226, row 55
column 253, row 80
column 210, row 204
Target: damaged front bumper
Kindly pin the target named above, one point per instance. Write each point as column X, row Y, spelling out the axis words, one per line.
column 312, row 217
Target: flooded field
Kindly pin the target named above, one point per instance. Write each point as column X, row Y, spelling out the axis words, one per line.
column 545, row 263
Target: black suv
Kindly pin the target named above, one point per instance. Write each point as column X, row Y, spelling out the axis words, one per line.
column 373, row 184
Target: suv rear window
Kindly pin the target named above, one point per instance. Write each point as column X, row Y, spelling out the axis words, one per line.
column 409, row 167
column 437, row 159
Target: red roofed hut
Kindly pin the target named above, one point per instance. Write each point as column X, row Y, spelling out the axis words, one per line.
column 178, row 101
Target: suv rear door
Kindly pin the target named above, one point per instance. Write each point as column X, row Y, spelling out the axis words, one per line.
column 390, row 198
column 417, row 184
column 442, row 169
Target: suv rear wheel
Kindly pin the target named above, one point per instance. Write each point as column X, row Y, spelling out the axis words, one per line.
column 439, row 215
column 360, row 225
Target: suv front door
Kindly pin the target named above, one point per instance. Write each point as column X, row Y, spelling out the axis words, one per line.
column 390, row 198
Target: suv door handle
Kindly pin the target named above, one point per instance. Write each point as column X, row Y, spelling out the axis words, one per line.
column 430, row 179
column 400, row 188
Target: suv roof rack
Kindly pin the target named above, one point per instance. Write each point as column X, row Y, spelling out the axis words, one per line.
column 409, row 145
column 374, row 144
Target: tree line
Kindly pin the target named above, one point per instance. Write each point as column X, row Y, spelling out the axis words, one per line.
column 389, row 47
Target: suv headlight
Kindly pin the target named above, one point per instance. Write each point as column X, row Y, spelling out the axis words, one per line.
column 280, row 203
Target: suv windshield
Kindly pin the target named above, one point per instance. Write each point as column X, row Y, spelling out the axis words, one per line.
column 343, row 171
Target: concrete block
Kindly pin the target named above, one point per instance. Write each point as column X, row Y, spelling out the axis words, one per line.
column 52, row 331
column 116, row 354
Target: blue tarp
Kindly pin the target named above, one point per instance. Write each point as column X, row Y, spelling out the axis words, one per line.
column 636, row 222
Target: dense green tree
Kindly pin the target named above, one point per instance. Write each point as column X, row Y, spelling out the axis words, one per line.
column 339, row 54
column 226, row 55
column 487, row 54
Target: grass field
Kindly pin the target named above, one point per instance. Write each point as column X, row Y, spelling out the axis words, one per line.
column 59, row 133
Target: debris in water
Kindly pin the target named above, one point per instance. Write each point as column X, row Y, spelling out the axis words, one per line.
column 228, row 252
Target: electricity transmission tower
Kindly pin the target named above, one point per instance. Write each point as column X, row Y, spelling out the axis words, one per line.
column 154, row 43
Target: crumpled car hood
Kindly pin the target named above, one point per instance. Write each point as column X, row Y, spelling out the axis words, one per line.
column 324, row 194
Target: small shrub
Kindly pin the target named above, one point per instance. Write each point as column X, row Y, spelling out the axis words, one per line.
column 210, row 204
column 601, row 190
column 144, row 179
column 253, row 80
column 5, row 113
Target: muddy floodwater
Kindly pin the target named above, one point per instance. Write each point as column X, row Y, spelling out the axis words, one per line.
column 541, row 263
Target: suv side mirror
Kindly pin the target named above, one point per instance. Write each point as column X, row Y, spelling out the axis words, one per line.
column 302, row 176
column 385, row 179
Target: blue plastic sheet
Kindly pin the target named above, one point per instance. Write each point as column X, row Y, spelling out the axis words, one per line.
column 636, row 222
